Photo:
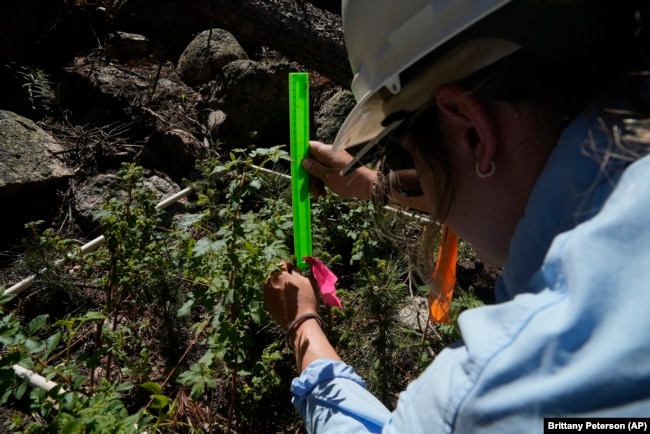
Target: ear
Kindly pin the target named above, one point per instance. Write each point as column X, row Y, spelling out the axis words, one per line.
column 471, row 124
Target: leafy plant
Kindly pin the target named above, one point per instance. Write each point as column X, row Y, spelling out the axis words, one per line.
column 139, row 281
column 38, row 86
column 16, row 347
column 177, row 309
column 238, row 252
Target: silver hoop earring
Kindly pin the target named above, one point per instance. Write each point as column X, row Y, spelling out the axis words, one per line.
column 487, row 174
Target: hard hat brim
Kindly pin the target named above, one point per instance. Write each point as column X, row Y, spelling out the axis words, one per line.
column 365, row 121
column 362, row 124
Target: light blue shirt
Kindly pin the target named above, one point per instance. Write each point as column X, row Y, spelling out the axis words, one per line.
column 570, row 335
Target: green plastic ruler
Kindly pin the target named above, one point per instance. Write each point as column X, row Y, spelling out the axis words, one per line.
column 299, row 149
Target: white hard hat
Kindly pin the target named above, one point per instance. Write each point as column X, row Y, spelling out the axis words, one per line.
column 401, row 52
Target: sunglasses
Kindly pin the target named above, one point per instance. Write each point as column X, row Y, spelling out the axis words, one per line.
column 395, row 163
column 397, row 167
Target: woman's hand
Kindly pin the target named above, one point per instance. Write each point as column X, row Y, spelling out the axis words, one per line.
column 325, row 165
column 288, row 295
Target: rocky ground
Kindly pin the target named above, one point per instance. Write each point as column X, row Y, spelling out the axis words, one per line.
column 100, row 112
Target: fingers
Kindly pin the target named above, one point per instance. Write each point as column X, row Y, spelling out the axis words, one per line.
column 288, row 294
column 318, row 149
column 324, row 164
column 286, row 266
column 286, row 274
column 319, row 172
column 318, row 169
column 320, row 176
column 328, row 157
column 283, row 267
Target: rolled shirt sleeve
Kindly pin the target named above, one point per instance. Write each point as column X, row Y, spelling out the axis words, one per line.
column 332, row 398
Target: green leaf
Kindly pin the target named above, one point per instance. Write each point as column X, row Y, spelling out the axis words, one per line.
column 52, row 342
column 33, row 345
column 37, row 323
column 122, row 387
column 4, row 298
column 207, row 358
column 74, row 426
column 93, row 316
column 219, row 171
column 188, row 220
column 152, row 387
column 197, row 389
column 20, row 390
column 202, row 246
column 159, row 402
column 185, row 308
column 256, row 315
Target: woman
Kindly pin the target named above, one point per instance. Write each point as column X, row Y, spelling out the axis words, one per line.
column 525, row 122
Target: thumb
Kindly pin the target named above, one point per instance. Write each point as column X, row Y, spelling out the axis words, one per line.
column 317, row 169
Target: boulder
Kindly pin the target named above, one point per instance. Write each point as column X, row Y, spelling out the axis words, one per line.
column 206, row 56
column 329, row 118
column 31, row 176
column 174, row 152
column 28, row 156
column 253, row 95
column 94, row 192
column 126, row 47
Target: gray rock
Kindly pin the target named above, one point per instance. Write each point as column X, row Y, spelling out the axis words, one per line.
column 89, row 196
column 415, row 314
column 214, row 120
column 97, row 190
column 131, row 46
column 331, row 115
column 206, row 56
column 174, row 151
column 254, row 96
column 28, row 156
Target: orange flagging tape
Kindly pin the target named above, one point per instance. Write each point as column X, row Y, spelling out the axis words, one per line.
column 444, row 277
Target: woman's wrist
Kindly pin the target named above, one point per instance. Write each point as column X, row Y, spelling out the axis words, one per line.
column 301, row 333
column 309, row 343
column 369, row 182
column 296, row 324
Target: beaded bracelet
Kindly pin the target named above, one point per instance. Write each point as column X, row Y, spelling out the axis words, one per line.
column 380, row 190
column 296, row 322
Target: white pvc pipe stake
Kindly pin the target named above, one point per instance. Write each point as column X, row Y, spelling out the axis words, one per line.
column 91, row 246
column 35, row 380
